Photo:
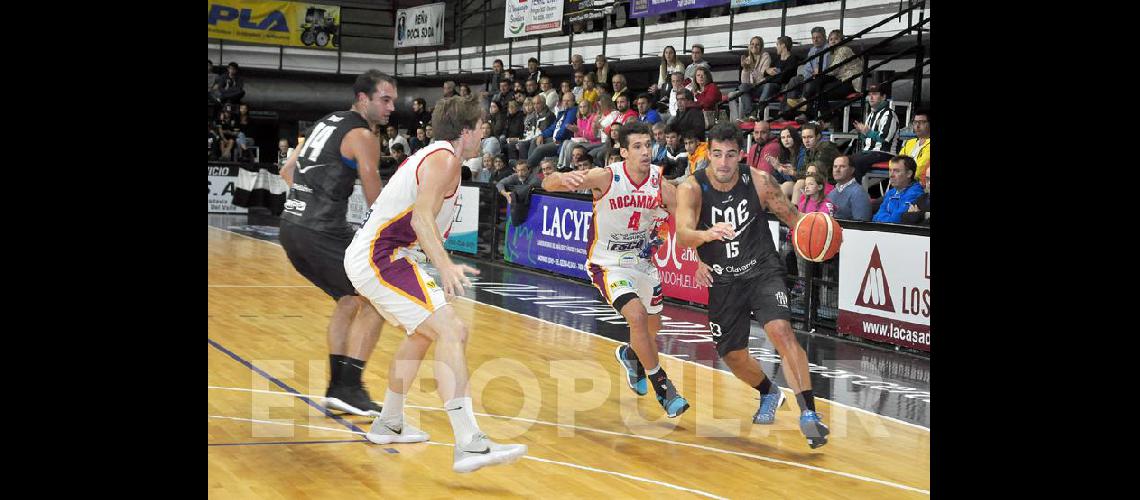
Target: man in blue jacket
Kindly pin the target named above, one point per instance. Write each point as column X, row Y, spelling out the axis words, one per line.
column 903, row 192
column 547, row 144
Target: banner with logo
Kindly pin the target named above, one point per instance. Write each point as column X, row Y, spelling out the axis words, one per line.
column 553, row 237
column 646, row 8
column 276, row 23
column 260, row 185
column 464, row 233
column 420, row 26
column 532, row 17
column 221, row 182
column 357, row 206
column 884, row 288
column 584, row 10
column 746, row 3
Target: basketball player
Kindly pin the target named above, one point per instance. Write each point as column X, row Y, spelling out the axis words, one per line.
column 314, row 232
column 726, row 201
column 409, row 219
column 628, row 199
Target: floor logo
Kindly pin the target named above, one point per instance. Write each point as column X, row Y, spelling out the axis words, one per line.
column 876, row 290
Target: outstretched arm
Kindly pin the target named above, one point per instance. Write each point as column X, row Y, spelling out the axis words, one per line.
column 773, row 199
column 596, row 179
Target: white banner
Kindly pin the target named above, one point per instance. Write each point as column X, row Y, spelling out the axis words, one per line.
column 420, row 26
column 357, row 205
column 884, row 287
column 464, row 233
column 221, row 180
column 532, row 17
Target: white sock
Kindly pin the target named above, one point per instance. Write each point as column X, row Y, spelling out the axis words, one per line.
column 393, row 409
column 653, row 371
column 462, row 419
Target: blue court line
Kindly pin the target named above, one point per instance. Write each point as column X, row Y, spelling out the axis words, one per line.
column 290, row 442
column 351, row 426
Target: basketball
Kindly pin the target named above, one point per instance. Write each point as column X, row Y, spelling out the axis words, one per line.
column 817, row 237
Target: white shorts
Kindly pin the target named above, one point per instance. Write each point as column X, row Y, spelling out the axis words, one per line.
column 642, row 280
column 401, row 290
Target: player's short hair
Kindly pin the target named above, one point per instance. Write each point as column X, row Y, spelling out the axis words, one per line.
column 908, row 163
column 635, row 127
column 368, row 81
column 725, row 132
column 453, row 115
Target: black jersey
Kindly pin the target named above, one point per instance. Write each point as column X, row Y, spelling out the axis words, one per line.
column 323, row 179
column 752, row 252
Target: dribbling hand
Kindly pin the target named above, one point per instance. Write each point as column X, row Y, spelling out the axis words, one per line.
column 703, row 275
column 455, row 278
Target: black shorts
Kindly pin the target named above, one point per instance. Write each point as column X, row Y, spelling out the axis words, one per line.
column 319, row 257
column 766, row 297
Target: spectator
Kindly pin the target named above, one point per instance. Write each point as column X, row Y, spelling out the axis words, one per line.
column 496, row 75
column 448, row 89
column 213, row 145
column 708, row 96
column 698, row 53
column 212, row 77
column 427, row 132
column 547, row 169
column 602, row 73
column 676, row 154
column 509, row 75
column 608, row 117
column 577, row 63
column 849, row 200
column 877, row 136
column 548, row 93
column 243, row 117
column 763, row 146
column 819, row 152
column 814, row 199
column 516, row 189
column 627, row 115
column 696, row 154
column 798, row 191
column 918, row 213
column 519, row 99
column 658, row 155
column 399, row 154
column 229, row 87
column 618, row 82
column 517, row 87
column 395, row 138
column 579, row 85
column 589, row 89
column 515, row 123
column 283, row 152
column 815, row 66
column 614, row 157
column 419, row 141
column 555, row 133
column 500, row 169
column 585, row 131
column 531, row 88
column 789, row 165
column 781, row 72
column 533, row 73
column 903, row 192
column 919, row 147
column 503, row 95
column 645, row 111
column 753, row 67
column 485, row 170
column 689, row 117
column 579, row 153
column 497, row 117
column 490, row 143
column 464, row 90
column 534, row 124
column 835, row 86
column 669, row 64
column 420, row 114
column 677, row 84
column 611, row 145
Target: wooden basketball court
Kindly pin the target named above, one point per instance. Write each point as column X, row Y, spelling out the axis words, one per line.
column 556, row 389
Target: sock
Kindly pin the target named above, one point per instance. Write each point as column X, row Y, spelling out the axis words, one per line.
column 632, row 356
column 351, row 369
column 334, row 368
column 657, row 379
column 806, row 400
column 462, row 418
column 393, row 407
column 765, row 387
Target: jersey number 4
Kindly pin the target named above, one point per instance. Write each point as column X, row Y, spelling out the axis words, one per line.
column 635, row 220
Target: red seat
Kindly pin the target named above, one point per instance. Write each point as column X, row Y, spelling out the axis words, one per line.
column 854, row 95
column 747, row 126
column 883, row 165
column 781, row 125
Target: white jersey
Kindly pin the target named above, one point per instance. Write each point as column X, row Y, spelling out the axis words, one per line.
column 387, row 232
column 625, row 218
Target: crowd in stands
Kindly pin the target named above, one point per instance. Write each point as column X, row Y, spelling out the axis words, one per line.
column 228, row 119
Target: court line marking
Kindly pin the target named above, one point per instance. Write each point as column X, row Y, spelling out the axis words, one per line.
column 525, row 457
column 637, row 436
column 836, row 403
column 260, row 286
column 289, row 442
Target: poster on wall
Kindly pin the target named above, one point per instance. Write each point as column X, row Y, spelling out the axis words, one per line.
column 532, row 17
column 884, row 288
column 553, row 237
column 290, row 24
column 646, row 8
column 464, row 233
column 221, row 183
column 420, row 26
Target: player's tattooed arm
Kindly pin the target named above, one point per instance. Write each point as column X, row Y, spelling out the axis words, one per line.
column 773, row 199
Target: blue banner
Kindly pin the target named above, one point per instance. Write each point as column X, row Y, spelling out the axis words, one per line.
column 554, row 236
column 746, row 3
column 646, row 8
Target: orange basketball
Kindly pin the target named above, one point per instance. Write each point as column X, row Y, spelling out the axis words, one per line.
column 817, row 237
